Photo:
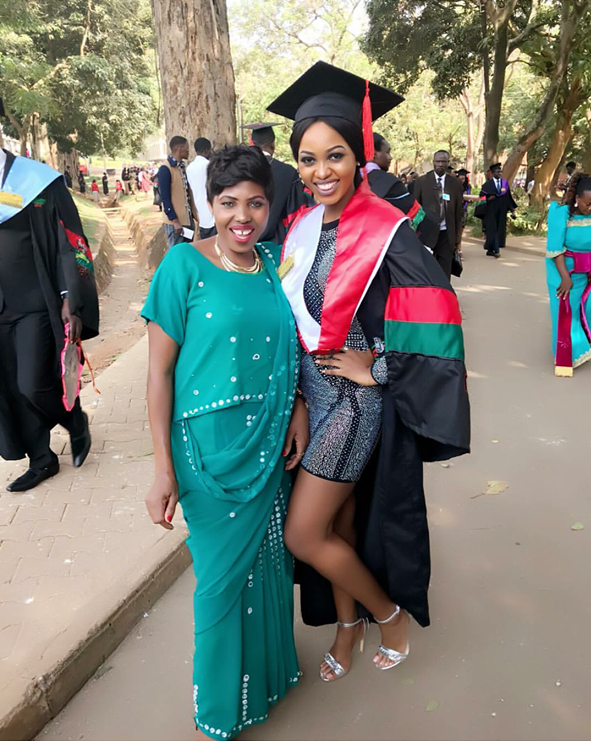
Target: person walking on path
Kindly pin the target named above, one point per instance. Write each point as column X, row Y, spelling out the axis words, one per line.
column 222, row 383
column 197, row 177
column 68, row 177
column 496, row 194
column 46, row 284
column 118, row 190
column 382, row 372
column 568, row 267
column 95, row 191
column 179, row 212
column 442, row 195
column 290, row 196
column 81, row 182
column 105, row 184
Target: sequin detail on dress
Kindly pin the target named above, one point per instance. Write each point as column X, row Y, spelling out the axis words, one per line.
column 345, row 418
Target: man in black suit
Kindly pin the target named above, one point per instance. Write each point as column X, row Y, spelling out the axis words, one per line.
column 439, row 193
column 289, row 196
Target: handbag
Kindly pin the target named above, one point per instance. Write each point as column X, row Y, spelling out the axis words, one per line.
column 480, row 210
column 457, row 266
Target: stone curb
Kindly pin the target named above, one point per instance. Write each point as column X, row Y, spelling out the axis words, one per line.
column 99, row 628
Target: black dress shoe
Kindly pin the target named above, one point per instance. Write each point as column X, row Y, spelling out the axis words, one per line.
column 32, row 478
column 490, row 253
column 81, row 444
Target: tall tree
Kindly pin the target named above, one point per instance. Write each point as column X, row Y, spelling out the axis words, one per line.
column 455, row 39
column 196, row 69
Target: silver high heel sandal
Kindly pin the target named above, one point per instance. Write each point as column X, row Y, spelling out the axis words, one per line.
column 390, row 653
column 334, row 665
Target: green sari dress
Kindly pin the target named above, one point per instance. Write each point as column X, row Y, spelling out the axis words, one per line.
column 234, row 389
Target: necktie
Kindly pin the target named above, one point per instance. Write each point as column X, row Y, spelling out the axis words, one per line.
column 498, row 185
column 441, row 201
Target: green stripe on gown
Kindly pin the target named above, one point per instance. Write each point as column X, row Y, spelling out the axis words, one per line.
column 234, row 493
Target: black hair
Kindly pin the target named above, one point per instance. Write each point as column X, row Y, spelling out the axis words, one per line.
column 176, row 141
column 378, row 142
column 571, row 164
column 351, row 133
column 234, row 164
column 260, row 137
column 442, row 151
column 580, row 183
column 202, row 145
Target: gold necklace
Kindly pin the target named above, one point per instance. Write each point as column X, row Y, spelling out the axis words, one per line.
column 233, row 268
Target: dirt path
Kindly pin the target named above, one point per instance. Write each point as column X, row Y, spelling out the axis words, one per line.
column 120, row 304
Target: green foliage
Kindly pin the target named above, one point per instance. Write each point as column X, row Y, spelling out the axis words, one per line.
column 83, row 74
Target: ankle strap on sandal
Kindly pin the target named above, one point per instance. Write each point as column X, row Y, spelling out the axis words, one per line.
column 392, row 616
column 350, row 625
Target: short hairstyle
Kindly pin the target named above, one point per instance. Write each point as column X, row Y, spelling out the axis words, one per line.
column 350, row 131
column 378, row 142
column 263, row 136
column 202, row 145
column 580, row 183
column 571, row 164
column 442, row 151
column 176, row 141
column 233, row 164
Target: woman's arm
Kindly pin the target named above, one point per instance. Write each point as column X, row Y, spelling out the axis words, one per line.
column 567, row 282
column 162, row 498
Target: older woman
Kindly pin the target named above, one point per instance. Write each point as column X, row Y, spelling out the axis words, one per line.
column 568, row 266
column 222, row 383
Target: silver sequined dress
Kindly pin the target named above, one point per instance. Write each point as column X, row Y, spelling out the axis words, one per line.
column 345, row 418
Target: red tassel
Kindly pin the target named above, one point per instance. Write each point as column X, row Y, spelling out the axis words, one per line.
column 366, row 125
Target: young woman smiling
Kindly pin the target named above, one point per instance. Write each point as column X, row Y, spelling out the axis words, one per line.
column 382, row 374
column 222, row 383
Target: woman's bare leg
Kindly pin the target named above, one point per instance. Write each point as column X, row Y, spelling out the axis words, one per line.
column 310, row 535
column 346, row 638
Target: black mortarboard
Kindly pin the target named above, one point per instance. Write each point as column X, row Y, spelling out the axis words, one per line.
column 496, row 164
column 325, row 90
column 462, row 171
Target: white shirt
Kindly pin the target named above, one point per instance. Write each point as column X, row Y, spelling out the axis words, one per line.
column 497, row 184
column 196, row 175
column 441, row 180
column 2, row 164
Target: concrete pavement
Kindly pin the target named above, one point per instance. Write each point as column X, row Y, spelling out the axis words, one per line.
column 506, row 657
column 80, row 561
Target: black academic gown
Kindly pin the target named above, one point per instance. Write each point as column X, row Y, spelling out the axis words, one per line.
column 426, row 417
column 62, row 261
column 392, row 189
column 495, row 217
column 288, row 199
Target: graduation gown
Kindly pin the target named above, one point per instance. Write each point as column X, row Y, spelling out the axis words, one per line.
column 409, row 312
column 288, row 199
column 495, row 216
column 62, row 258
column 392, row 189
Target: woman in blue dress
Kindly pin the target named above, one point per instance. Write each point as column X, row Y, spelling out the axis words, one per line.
column 221, row 387
column 568, row 269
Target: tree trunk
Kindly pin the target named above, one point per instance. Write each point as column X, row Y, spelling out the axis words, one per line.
column 562, row 136
column 197, row 77
column 586, row 163
column 570, row 18
column 494, row 99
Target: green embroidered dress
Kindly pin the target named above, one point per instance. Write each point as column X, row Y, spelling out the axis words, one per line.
column 235, row 384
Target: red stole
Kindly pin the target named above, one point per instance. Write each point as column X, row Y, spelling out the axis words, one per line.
column 366, row 228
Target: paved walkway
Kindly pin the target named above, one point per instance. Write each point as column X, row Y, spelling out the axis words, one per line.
column 78, row 555
column 506, row 657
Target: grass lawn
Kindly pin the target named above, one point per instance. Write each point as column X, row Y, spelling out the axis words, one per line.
column 92, row 220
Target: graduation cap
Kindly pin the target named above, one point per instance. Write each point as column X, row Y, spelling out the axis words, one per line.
column 261, row 133
column 260, row 126
column 496, row 164
column 325, row 90
column 462, row 171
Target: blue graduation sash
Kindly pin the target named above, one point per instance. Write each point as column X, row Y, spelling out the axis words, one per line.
column 25, row 180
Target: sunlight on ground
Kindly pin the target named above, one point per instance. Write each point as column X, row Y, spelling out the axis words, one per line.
column 481, row 289
column 516, row 364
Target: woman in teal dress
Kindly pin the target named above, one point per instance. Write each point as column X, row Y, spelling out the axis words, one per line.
column 221, row 389
column 568, row 269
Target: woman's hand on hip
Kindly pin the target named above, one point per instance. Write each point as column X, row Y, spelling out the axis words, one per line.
column 564, row 288
column 162, row 499
column 352, row 364
column 298, row 432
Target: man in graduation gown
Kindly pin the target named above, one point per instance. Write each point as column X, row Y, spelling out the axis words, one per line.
column 289, row 197
column 46, row 281
column 496, row 193
column 387, row 186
